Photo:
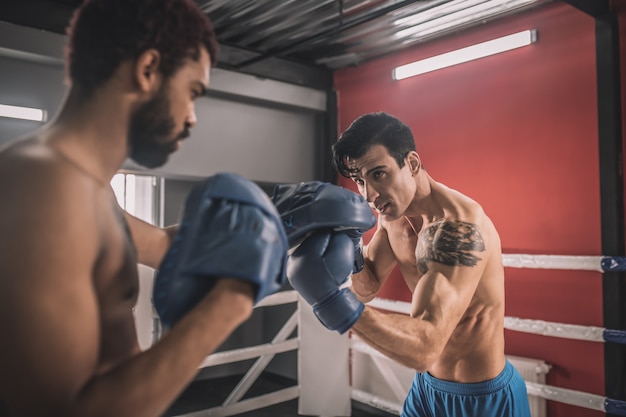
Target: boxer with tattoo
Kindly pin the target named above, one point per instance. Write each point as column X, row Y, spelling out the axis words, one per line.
column 448, row 252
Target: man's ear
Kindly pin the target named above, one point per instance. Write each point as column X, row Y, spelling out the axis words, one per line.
column 414, row 162
column 147, row 72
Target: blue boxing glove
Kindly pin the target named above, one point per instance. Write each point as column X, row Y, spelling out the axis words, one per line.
column 357, row 242
column 315, row 205
column 230, row 228
column 317, row 269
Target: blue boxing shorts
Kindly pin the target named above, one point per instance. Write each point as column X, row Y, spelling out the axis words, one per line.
column 502, row 396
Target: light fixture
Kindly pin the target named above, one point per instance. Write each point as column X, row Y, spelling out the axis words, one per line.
column 26, row 113
column 469, row 53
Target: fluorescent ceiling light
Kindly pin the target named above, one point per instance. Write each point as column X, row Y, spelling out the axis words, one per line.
column 469, row 53
column 25, row 113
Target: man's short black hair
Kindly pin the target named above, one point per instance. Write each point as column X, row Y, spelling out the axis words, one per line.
column 371, row 129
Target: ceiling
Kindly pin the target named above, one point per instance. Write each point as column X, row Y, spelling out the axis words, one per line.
column 305, row 39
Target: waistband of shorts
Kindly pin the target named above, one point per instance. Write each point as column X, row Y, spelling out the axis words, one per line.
column 473, row 388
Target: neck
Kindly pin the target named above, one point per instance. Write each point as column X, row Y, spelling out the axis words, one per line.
column 424, row 204
column 92, row 133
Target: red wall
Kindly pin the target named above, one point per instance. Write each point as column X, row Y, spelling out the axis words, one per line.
column 518, row 133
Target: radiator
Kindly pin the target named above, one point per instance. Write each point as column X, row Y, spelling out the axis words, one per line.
column 532, row 370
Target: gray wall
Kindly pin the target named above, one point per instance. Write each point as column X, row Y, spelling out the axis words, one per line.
column 263, row 129
column 28, row 84
column 262, row 143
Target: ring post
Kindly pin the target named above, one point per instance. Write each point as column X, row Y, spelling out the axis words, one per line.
column 323, row 367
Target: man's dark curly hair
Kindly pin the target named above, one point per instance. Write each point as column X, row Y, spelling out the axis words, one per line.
column 372, row 129
column 104, row 33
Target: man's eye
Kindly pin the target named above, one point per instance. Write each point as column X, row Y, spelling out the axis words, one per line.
column 378, row 174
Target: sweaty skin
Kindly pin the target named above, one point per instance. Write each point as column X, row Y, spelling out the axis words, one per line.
column 448, row 252
column 68, row 263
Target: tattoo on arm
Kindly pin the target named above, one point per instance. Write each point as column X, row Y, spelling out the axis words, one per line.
column 450, row 243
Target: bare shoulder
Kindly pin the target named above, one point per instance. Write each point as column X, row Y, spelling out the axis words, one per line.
column 462, row 237
column 45, row 198
column 31, row 170
column 462, row 208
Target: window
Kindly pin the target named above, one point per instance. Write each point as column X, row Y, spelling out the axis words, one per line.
column 137, row 194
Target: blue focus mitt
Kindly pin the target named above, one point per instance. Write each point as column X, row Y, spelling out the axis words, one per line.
column 309, row 206
column 230, row 228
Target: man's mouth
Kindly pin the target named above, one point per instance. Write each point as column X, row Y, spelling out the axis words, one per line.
column 381, row 207
column 178, row 139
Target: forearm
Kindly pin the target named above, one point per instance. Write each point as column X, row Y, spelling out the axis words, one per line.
column 407, row 340
column 377, row 265
column 147, row 384
column 151, row 242
column 364, row 285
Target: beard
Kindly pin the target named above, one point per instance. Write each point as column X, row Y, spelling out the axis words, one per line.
column 150, row 134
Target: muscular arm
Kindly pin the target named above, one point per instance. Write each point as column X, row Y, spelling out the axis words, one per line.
column 452, row 267
column 145, row 385
column 150, row 241
column 378, row 264
column 50, row 249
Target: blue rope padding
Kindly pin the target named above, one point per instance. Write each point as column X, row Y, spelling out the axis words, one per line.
column 615, row 336
column 616, row 407
column 613, row 263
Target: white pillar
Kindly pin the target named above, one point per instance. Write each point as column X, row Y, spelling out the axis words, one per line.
column 144, row 312
column 323, row 367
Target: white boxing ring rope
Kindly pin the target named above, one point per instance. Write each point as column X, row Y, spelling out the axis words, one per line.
column 579, row 263
column 545, row 328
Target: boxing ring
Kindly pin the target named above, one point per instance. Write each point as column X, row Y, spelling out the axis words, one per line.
column 327, row 368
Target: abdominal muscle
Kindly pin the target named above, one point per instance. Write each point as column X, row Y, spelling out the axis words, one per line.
column 475, row 350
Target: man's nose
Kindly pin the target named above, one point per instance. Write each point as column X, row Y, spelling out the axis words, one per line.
column 370, row 193
column 192, row 119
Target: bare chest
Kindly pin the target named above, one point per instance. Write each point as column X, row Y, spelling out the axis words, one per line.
column 404, row 240
column 116, row 271
column 447, row 242
column 117, row 286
